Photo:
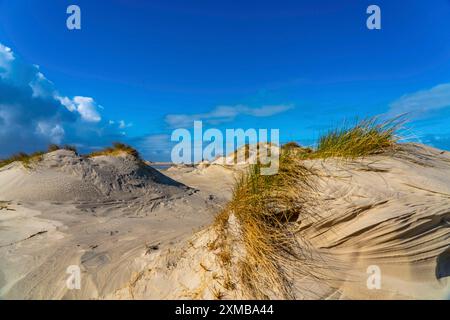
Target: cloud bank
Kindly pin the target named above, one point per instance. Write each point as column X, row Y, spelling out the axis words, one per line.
column 33, row 113
column 420, row 103
column 223, row 114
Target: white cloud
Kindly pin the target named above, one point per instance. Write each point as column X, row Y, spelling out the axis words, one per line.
column 33, row 113
column 6, row 57
column 87, row 108
column 123, row 124
column 222, row 114
column 66, row 102
column 19, row 74
column 41, row 87
column 419, row 103
column 54, row 132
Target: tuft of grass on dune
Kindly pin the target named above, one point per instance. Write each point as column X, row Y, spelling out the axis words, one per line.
column 267, row 208
column 28, row 159
column 295, row 148
column 367, row 137
column 246, row 153
column 4, row 205
column 117, row 149
column 55, row 147
column 23, row 157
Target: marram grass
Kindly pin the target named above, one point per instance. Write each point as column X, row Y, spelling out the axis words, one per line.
column 26, row 159
column 367, row 137
column 269, row 208
column 23, row 157
column 266, row 208
column 117, row 149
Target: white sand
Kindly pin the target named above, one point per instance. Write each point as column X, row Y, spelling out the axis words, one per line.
column 393, row 213
column 132, row 233
column 105, row 215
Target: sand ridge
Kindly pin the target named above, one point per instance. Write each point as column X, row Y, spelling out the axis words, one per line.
column 151, row 239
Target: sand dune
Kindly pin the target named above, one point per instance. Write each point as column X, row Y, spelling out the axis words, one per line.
column 383, row 211
column 105, row 214
column 392, row 212
column 63, row 176
column 138, row 234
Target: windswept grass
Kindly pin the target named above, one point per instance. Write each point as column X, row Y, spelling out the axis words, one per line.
column 295, row 148
column 23, row 157
column 28, row 159
column 4, row 205
column 267, row 208
column 367, row 137
column 246, row 150
column 118, row 148
column 291, row 145
column 55, row 147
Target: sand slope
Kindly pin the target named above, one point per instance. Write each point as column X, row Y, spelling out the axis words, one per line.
column 63, row 176
column 391, row 212
column 105, row 215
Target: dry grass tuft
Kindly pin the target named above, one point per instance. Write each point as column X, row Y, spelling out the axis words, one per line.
column 217, row 293
column 55, row 147
column 4, row 205
column 117, row 149
column 26, row 159
column 246, row 150
column 224, row 256
column 267, row 208
column 368, row 137
column 228, row 283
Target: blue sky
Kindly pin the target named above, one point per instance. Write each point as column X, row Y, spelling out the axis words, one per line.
column 138, row 69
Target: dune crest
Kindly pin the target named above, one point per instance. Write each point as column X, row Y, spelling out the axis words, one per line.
column 62, row 175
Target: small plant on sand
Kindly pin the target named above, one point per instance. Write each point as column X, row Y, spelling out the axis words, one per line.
column 295, row 148
column 267, row 208
column 54, row 147
column 224, row 256
column 246, row 149
column 291, row 145
column 4, row 205
column 117, row 149
column 26, row 159
column 217, row 293
column 228, row 283
column 367, row 137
